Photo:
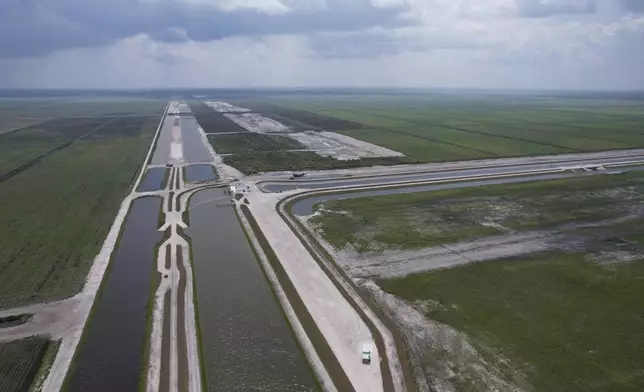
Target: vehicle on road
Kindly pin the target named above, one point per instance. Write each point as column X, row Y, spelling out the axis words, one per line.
column 366, row 355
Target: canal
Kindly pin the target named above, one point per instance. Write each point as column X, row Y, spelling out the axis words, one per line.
column 110, row 354
column 197, row 173
column 246, row 340
column 153, row 180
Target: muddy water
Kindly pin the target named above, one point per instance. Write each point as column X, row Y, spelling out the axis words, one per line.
column 247, row 343
column 194, row 150
column 153, row 180
column 196, row 173
column 109, row 357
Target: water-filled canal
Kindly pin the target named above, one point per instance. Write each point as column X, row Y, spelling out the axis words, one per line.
column 247, row 342
column 110, row 354
column 194, row 150
column 196, row 173
column 153, row 180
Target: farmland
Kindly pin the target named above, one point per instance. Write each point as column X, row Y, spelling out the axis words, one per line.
column 20, row 362
column 432, row 127
column 252, row 142
column 57, row 212
column 18, row 113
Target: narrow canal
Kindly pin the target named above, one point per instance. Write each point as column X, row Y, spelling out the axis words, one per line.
column 247, row 342
column 110, row 354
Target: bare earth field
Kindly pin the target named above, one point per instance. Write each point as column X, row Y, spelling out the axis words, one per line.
column 527, row 286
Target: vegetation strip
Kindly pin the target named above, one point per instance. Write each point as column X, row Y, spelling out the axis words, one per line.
column 322, row 348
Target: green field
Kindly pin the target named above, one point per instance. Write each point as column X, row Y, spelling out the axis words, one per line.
column 434, row 127
column 567, row 318
column 252, row 142
column 565, row 323
column 251, row 163
column 23, row 362
column 422, row 219
column 57, row 212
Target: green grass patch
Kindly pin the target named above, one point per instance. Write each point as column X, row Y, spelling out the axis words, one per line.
column 422, row 219
column 13, row 155
column 252, row 142
column 251, row 163
column 566, row 323
column 20, row 361
column 56, row 215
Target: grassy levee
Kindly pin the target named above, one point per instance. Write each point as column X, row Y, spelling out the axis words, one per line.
column 316, row 337
column 20, row 362
column 431, row 218
column 400, row 345
column 252, row 142
column 46, row 364
column 273, row 290
column 566, row 323
column 182, row 341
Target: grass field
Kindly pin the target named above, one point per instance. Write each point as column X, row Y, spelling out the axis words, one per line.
column 564, row 322
column 20, row 362
column 432, row 127
column 417, row 220
column 23, row 112
column 57, row 212
column 251, row 163
column 252, row 142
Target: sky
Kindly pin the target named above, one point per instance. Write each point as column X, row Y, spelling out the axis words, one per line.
column 491, row 44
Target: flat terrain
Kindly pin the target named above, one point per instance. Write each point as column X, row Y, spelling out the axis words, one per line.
column 57, row 211
column 544, row 291
column 434, row 127
column 21, row 362
column 418, row 220
column 564, row 322
column 250, row 163
column 252, row 142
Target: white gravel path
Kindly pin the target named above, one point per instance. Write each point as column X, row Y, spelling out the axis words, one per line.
column 340, row 324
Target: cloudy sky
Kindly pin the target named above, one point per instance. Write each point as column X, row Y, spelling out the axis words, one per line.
column 546, row 44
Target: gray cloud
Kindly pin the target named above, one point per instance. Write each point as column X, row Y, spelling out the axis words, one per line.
column 36, row 28
column 545, row 8
column 633, row 5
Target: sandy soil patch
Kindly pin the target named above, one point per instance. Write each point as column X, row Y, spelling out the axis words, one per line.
column 257, row 123
column 341, row 147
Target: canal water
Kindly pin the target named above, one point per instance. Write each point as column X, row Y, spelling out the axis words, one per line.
column 152, row 180
column 110, row 353
column 194, row 150
column 161, row 154
column 196, row 173
column 247, row 342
